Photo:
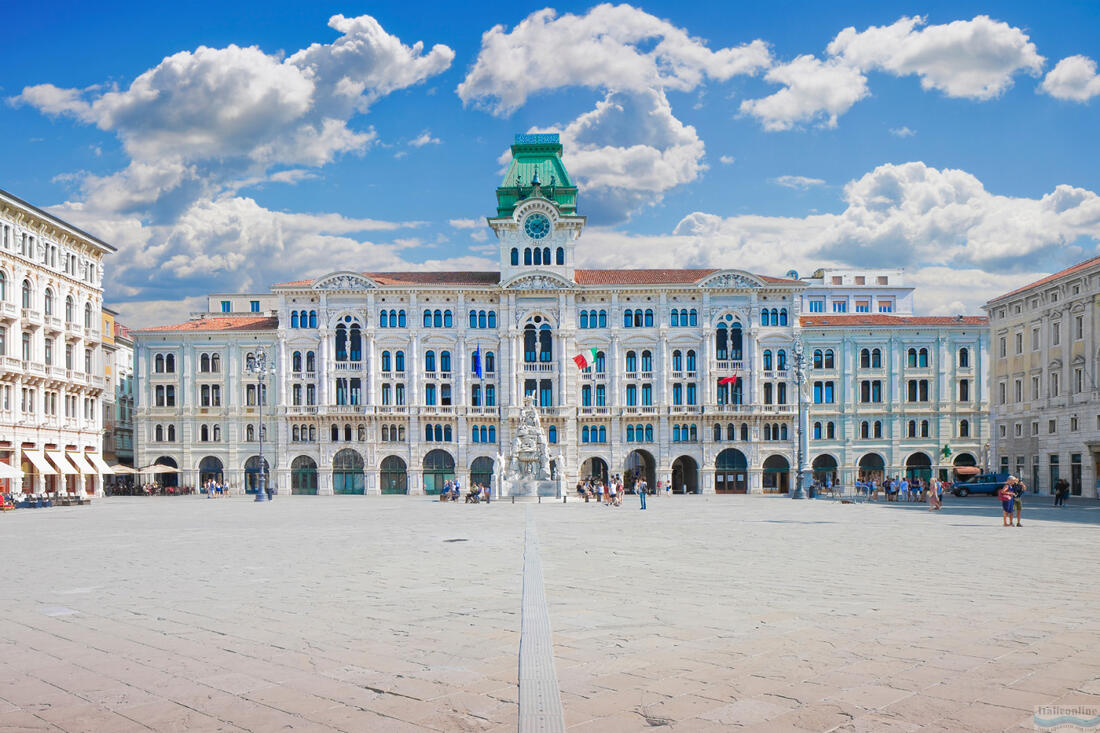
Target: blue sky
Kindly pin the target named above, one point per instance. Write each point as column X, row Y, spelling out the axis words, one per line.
column 227, row 146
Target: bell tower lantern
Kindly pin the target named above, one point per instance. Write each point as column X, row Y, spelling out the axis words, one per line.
column 536, row 222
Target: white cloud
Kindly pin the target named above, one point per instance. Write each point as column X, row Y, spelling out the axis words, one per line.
column 727, row 160
column 974, row 59
column 628, row 151
column 902, row 132
column 465, row 223
column 800, row 183
column 959, row 242
column 1074, row 79
column 612, row 47
column 202, row 118
column 424, row 138
column 814, row 90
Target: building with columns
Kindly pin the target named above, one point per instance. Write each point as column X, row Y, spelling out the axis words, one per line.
column 51, row 353
column 1045, row 375
column 394, row 382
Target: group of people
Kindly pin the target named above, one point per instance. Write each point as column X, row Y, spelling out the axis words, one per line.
column 900, row 488
column 452, row 490
column 215, row 489
column 1012, row 499
column 611, row 492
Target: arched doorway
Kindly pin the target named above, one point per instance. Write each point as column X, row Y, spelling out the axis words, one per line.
column 394, row 475
column 965, row 459
column 872, row 467
column 210, row 469
column 824, row 467
column 167, row 479
column 731, row 472
column 439, row 467
column 347, row 472
column 303, row 476
column 685, row 476
column 481, row 471
column 918, row 465
column 594, row 468
column 639, row 466
column 777, row 475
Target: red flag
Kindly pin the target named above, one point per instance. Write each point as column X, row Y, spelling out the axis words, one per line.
column 728, row 380
column 581, row 362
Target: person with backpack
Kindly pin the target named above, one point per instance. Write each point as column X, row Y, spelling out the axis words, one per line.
column 1061, row 491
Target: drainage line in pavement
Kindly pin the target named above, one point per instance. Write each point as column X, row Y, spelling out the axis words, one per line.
column 539, row 697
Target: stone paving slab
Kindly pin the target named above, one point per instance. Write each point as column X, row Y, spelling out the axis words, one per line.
column 401, row 613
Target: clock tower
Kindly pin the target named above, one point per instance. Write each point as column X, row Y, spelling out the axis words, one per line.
column 536, row 222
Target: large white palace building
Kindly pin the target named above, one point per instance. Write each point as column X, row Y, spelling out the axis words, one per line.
column 394, row 382
column 51, row 353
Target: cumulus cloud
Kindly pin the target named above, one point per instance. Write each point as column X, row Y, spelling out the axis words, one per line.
column 727, row 160
column 902, row 131
column 974, row 59
column 202, row 125
column 1074, row 79
column 800, row 183
column 424, row 138
column 951, row 234
column 614, row 47
column 465, row 223
column 205, row 117
column 630, row 149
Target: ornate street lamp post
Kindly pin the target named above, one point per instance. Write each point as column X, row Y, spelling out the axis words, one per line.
column 259, row 367
column 802, row 448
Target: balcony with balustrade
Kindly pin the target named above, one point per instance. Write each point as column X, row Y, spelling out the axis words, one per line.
column 8, row 311
column 31, row 317
column 540, row 367
column 91, row 334
column 602, row 411
column 10, row 367
column 481, row 411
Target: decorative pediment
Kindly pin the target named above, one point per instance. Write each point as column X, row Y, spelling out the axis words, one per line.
column 343, row 281
column 731, row 280
column 538, row 281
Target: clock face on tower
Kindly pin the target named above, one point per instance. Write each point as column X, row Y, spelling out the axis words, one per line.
column 537, row 226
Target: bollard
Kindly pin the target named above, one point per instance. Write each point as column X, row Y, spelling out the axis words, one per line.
column 540, row 499
column 563, row 500
column 513, row 499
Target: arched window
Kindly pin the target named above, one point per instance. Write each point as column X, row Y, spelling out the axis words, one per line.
column 865, row 358
column 561, row 256
column 444, row 361
column 552, row 434
column 428, row 433
column 690, row 365
column 546, row 344
column 674, row 318
column 817, row 431
column 158, row 434
column 767, row 360
column 490, row 362
column 385, row 433
column 215, row 363
column 584, row 434
column 603, row 319
column 647, row 361
column 922, row 357
column 630, row 433
column 492, row 434
column 204, row 363
column 538, row 256
column 765, row 317
column 294, row 319
column 427, row 318
column 400, row 319
column 341, row 342
column 717, row 432
column 911, row 358
column 158, row 364
column 170, row 363
column 649, row 317
column 911, row 431
column 964, row 428
column 311, row 361
column 492, row 319
column 356, row 343
column 399, row 361
column 27, row 299
column 527, row 255
column 429, row 361
column 584, row 319
column 515, row 256
column 631, row 361
column 819, row 359
column 744, row 432
column 924, row 428
column 437, row 319
column 473, row 319
column 830, row 360
column 448, row 319
column 603, row 434
column 482, row 321
column 964, row 358
column 384, row 319
column 47, row 302
column 386, row 361
column 781, row 359
column 876, row 359
column 546, row 255
column 313, row 319
column 830, row 430
column 628, row 319
column 865, row 430
column 677, row 361
column 878, row 428
column 601, row 362
column 68, row 301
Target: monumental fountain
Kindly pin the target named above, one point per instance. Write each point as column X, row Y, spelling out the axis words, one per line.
column 527, row 471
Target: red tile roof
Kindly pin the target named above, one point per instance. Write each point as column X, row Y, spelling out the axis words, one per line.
column 217, row 323
column 583, row 277
column 882, row 319
column 1051, row 278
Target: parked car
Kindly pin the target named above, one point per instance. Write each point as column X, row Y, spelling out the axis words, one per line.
column 985, row 483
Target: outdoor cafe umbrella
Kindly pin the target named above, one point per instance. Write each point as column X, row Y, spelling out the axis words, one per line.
column 160, row 468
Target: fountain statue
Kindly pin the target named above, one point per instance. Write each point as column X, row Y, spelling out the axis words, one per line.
column 527, row 471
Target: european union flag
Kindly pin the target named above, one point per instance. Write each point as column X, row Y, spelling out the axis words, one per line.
column 477, row 362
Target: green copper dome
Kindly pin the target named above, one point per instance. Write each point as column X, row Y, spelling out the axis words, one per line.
column 536, row 164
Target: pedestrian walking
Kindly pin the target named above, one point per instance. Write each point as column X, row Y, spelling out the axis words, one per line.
column 641, row 493
column 1019, row 488
column 1061, row 491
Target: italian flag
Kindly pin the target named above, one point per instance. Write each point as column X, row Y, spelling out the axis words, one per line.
column 582, row 359
column 729, row 380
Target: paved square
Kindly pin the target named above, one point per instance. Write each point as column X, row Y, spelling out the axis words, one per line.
column 358, row 614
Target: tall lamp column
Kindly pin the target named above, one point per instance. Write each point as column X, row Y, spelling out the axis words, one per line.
column 259, row 367
column 802, row 448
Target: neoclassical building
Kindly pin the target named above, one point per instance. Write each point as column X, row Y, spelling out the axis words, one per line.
column 394, row 382
column 1046, row 399
column 51, row 353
